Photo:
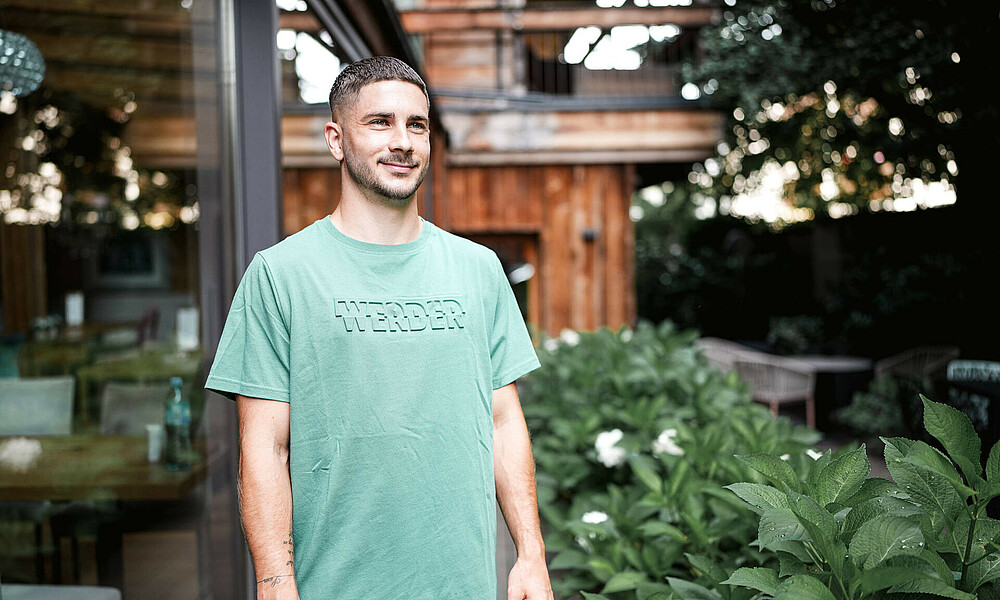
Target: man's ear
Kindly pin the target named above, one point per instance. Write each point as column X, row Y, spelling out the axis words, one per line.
column 334, row 140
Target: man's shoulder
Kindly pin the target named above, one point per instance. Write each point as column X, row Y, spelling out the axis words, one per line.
column 466, row 247
column 292, row 248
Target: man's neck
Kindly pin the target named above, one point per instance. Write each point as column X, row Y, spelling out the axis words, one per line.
column 377, row 224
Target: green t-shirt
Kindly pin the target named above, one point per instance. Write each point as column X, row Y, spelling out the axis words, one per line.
column 388, row 356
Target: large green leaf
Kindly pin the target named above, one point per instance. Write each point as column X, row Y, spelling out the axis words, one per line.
column 587, row 596
column 759, row 578
column 876, row 507
column 803, row 587
column 873, row 487
column 645, row 469
column 953, row 429
column 626, row 580
column 658, row 528
column 993, row 465
column 931, row 586
column 780, row 525
column 692, row 591
column 821, row 527
column 982, row 572
column 789, row 564
column 707, row 566
column 773, row 468
column 882, row 538
column 896, row 447
column 842, row 477
column 925, row 455
column 761, row 497
column 928, row 488
column 880, row 578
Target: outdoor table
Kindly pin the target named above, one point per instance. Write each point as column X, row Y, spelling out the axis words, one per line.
column 837, row 378
column 82, row 467
column 17, row 591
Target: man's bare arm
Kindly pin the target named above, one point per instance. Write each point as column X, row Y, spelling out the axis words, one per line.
column 265, row 495
column 514, row 470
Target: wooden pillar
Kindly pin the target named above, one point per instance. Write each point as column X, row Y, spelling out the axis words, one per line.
column 23, row 283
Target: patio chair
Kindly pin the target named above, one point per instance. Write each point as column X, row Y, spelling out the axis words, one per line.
column 36, row 406
column 916, row 363
column 723, row 354
column 776, row 382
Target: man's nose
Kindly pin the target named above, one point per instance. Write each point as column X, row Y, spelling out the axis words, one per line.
column 400, row 141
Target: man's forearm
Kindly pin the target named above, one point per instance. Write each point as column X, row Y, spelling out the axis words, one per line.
column 514, row 470
column 265, row 495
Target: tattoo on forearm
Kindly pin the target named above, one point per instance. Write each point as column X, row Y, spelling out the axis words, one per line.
column 291, row 551
column 273, row 580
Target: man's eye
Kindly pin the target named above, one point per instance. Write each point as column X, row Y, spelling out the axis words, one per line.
column 419, row 126
column 380, row 122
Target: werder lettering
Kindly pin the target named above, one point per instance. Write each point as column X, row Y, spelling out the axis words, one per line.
column 399, row 316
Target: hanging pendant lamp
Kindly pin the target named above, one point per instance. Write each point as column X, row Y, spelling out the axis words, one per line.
column 22, row 67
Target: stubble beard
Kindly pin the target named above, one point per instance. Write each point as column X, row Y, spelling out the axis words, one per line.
column 366, row 177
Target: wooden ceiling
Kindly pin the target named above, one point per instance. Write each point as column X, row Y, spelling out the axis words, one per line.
column 100, row 50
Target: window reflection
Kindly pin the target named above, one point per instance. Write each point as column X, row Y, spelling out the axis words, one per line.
column 100, row 287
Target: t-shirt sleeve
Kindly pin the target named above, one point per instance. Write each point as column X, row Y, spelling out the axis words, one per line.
column 253, row 355
column 511, row 352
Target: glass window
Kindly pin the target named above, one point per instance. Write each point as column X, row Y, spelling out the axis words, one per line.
column 106, row 164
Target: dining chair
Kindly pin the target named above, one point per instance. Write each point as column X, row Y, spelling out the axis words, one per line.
column 126, row 408
column 776, row 382
column 36, row 406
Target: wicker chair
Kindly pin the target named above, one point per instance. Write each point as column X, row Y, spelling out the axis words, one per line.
column 723, row 354
column 775, row 382
column 916, row 363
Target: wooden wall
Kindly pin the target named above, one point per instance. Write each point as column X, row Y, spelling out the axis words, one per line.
column 579, row 283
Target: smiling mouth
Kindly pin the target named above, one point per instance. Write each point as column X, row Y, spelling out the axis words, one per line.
column 399, row 168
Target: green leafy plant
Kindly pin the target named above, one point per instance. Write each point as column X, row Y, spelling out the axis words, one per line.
column 875, row 410
column 634, row 436
column 839, row 535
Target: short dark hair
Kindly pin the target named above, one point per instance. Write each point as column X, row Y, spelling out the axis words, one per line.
column 370, row 70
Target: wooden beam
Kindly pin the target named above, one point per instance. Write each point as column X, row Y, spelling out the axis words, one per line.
column 499, row 159
column 430, row 21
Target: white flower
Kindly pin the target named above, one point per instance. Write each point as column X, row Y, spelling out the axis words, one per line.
column 607, row 452
column 813, row 454
column 551, row 344
column 626, row 334
column 665, row 443
column 594, row 516
column 785, row 456
column 570, row 337
column 583, row 543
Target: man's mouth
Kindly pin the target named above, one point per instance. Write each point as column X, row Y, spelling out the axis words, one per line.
column 399, row 167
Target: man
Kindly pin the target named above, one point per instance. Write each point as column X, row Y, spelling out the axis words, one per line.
column 372, row 357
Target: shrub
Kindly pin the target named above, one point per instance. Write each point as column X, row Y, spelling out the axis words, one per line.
column 634, row 436
column 839, row 535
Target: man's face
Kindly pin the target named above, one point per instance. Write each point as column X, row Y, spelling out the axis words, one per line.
column 385, row 141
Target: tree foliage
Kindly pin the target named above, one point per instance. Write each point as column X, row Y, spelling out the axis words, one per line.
column 854, row 102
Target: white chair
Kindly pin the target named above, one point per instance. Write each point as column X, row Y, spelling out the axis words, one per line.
column 723, row 354
column 775, row 382
column 916, row 362
column 126, row 408
column 36, row 406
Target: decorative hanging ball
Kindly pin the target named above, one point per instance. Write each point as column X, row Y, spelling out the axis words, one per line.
column 22, row 67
